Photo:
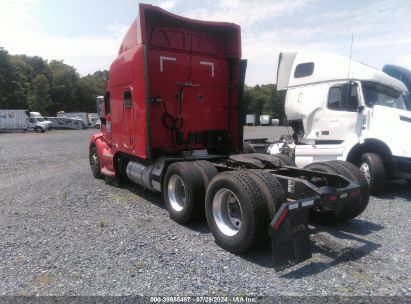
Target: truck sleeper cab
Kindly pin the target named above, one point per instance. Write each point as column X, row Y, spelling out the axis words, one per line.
column 172, row 123
column 351, row 112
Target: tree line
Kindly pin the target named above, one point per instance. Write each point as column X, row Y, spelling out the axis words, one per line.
column 264, row 99
column 47, row 87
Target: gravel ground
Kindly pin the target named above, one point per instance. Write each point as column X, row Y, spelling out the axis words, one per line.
column 65, row 233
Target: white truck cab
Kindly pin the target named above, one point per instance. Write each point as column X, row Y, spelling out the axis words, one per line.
column 40, row 118
column 36, row 124
column 341, row 109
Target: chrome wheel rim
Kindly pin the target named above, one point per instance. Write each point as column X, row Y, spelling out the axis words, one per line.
column 176, row 193
column 365, row 169
column 94, row 161
column 227, row 212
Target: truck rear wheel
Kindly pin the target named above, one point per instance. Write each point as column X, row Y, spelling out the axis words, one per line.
column 95, row 163
column 183, row 192
column 319, row 216
column 357, row 206
column 350, row 209
column 207, row 169
column 372, row 166
column 272, row 190
column 236, row 211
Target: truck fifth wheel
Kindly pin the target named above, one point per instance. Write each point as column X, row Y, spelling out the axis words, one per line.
column 172, row 123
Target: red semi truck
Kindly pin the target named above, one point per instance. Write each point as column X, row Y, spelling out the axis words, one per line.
column 172, row 122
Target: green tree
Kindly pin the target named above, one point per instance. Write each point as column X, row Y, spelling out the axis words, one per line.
column 12, row 94
column 264, row 99
column 64, row 85
column 38, row 97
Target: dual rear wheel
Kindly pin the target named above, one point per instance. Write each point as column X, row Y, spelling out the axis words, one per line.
column 238, row 205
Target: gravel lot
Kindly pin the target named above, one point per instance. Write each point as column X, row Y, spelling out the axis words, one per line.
column 65, row 233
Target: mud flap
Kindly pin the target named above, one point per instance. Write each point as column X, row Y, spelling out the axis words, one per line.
column 289, row 234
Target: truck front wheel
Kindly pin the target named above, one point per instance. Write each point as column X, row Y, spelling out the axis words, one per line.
column 183, row 192
column 372, row 166
column 95, row 163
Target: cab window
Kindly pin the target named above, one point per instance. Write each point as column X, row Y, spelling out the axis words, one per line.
column 343, row 97
column 127, row 99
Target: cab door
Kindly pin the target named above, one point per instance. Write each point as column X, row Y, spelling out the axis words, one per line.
column 128, row 119
column 31, row 123
column 339, row 118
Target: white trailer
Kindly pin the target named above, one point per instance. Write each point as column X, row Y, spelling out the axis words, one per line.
column 79, row 115
column 19, row 120
column 250, row 120
column 68, row 123
column 341, row 109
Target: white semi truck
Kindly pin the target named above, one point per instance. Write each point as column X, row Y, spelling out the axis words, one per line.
column 19, row 120
column 340, row 109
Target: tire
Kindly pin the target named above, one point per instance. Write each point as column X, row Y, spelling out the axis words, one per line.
column 272, row 190
column 207, row 172
column 244, row 225
column 351, row 209
column 355, row 207
column 207, row 169
column 183, row 192
column 285, row 160
column 95, row 163
column 318, row 216
column 372, row 166
column 38, row 130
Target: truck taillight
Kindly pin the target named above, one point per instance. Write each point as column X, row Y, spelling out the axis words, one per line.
column 354, row 194
column 332, row 198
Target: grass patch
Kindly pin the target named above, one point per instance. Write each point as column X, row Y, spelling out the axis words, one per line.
column 102, row 223
column 42, row 280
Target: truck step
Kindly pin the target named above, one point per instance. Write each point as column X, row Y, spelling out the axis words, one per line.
column 108, row 172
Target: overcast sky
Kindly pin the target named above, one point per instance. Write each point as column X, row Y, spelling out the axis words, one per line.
column 87, row 33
